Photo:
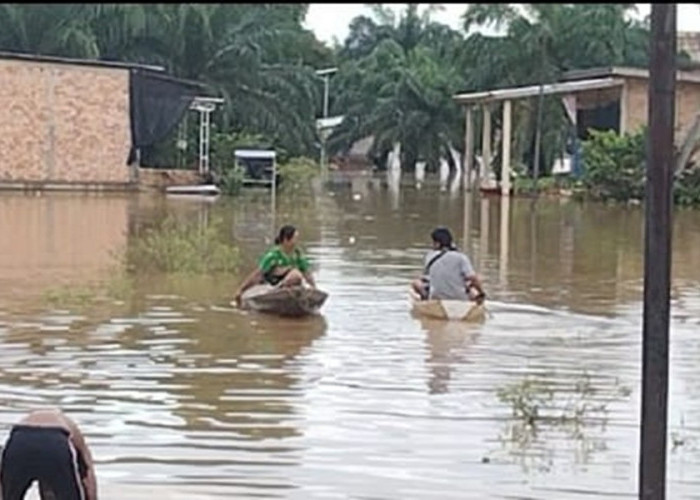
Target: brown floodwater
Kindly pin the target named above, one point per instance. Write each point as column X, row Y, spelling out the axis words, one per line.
column 182, row 396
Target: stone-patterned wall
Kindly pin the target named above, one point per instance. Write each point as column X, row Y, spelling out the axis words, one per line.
column 62, row 123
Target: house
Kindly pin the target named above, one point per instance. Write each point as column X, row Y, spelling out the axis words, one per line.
column 613, row 98
column 72, row 123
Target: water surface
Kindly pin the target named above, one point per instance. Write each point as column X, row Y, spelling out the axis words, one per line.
column 181, row 396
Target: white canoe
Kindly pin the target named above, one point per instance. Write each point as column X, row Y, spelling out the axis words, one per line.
column 451, row 310
column 284, row 301
column 199, row 189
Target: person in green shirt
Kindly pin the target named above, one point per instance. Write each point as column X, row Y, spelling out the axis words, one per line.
column 282, row 265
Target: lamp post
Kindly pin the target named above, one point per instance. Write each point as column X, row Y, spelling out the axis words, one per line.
column 325, row 74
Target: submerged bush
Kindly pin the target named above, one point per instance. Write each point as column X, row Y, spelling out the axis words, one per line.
column 183, row 247
column 686, row 187
column 614, row 165
column 298, row 173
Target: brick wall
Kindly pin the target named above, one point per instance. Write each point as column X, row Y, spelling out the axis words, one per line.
column 62, row 123
column 636, row 103
column 687, row 105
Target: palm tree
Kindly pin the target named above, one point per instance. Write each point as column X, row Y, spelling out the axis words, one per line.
column 239, row 51
column 396, row 84
column 47, row 29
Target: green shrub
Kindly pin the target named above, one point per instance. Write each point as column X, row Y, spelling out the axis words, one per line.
column 231, row 181
column 298, row 173
column 614, row 165
column 549, row 184
column 183, row 247
column 686, row 187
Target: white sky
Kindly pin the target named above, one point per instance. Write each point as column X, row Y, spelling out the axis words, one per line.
column 332, row 19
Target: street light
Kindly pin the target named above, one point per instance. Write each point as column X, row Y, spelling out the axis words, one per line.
column 325, row 74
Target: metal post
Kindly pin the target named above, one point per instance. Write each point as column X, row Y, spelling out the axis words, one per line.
column 274, row 188
column 201, row 142
column 657, row 253
column 323, row 135
column 325, row 96
column 205, row 157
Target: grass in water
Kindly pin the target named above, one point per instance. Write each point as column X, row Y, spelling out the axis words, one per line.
column 183, row 248
column 173, row 249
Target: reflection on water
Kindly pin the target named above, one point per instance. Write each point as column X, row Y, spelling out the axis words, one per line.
column 182, row 395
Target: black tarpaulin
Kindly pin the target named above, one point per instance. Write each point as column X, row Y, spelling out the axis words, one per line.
column 157, row 104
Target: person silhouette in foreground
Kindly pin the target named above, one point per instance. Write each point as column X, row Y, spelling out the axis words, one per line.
column 283, row 265
column 448, row 274
column 48, row 447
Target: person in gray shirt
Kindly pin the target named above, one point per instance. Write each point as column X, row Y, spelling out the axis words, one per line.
column 448, row 274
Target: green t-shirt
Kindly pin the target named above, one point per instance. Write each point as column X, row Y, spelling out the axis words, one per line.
column 275, row 257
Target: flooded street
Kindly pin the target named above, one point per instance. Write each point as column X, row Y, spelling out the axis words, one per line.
column 182, row 396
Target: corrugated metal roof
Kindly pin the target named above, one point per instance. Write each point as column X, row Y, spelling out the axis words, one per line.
column 534, row 90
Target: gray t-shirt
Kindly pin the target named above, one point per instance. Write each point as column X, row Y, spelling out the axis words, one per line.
column 448, row 275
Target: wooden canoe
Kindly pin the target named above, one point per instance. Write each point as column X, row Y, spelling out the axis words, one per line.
column 295, row 301
column 450, row 310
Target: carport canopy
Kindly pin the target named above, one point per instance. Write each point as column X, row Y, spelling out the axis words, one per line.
column 568, row 89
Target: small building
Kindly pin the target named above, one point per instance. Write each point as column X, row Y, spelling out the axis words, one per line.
column 72, row 123
column 612, row 98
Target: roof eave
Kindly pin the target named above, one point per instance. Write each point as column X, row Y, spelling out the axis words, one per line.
column 533, row 90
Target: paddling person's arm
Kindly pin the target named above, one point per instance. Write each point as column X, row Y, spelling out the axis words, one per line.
column 78, row 440
column 252, row 279
column 310, row 279
column 472, row 280
column 305, row 269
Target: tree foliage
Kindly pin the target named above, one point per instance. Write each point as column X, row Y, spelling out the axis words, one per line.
column 397, row 71
column 258, row 56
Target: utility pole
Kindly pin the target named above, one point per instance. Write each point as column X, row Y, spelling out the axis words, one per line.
column 657, row 253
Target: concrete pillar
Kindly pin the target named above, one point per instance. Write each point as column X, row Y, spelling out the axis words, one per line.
column 505, row 155
column 468, row 148
column 486, row 147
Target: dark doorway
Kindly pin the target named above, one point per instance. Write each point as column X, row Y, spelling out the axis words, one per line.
column 605, row 117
